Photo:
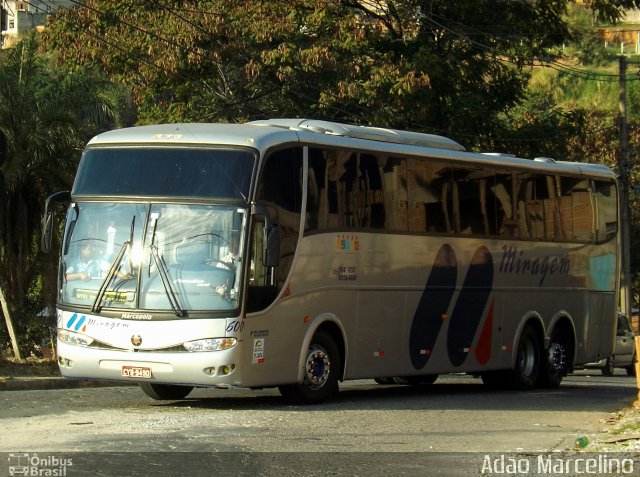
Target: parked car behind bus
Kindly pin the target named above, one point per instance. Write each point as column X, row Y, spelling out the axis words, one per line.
column 624, row 352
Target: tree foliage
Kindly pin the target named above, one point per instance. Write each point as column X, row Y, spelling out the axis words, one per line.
column 538, row 128
column 429, row 65
column 611, row 10
column 46, row 115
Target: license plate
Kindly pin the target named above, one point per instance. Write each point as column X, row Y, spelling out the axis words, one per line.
column 136, row 372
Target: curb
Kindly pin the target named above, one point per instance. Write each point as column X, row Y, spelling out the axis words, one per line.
column 46, row 383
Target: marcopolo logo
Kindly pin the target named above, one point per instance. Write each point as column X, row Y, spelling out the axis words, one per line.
column 35, row 465
column 137, row 316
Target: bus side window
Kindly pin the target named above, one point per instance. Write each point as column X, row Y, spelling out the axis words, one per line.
column 345, row 190
column 505, row 213
column 536, row 219
column 430, row 196
column 280, row 194
column 606, row 210
column 575, row 209
column 469, row 201
column 394, row 173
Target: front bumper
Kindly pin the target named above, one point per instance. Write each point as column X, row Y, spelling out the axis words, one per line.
column 211, row 368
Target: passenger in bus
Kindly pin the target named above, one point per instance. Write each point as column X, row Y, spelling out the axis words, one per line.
column 228, row 260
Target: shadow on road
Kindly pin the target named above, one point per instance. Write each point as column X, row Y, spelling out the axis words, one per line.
column 578, row 392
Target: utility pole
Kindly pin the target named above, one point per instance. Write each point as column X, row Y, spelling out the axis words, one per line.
column 623, row 172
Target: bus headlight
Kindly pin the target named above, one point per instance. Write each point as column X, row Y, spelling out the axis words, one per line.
column 71, row 337
column 211, row 344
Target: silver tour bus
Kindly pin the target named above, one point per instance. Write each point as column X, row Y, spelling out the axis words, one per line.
column 298, row 253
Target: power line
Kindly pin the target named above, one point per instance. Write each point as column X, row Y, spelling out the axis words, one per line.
column 533, row 61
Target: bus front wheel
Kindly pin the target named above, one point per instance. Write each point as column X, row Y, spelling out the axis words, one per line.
column 163, row 392
column 321, row 370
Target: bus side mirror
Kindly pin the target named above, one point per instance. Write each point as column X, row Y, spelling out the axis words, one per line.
column 47, row 233
column 47, row 220
column 272, row 250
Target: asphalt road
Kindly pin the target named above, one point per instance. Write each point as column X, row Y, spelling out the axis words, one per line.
column 447, row 428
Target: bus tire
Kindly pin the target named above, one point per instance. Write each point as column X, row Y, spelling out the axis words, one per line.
column 321, row 372
column 527, row 368
column 163, row 392
column 384, row 381
column 558, row 356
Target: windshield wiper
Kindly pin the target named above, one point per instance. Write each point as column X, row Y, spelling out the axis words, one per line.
column 163, row 271
column 95, row 308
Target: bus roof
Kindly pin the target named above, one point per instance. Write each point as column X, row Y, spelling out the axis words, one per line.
column 363, row 132
column 194, row 134
column 264, row 134
column 255, row 131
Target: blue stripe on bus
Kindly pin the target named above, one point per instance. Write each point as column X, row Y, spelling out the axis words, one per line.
column 433, row 306
column 71, row 320
column 470, row 305
column 80, row 322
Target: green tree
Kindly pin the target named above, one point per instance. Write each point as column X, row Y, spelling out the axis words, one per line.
column 539, row 128
column 428, row 65
column 46, row 116
column 431, row 65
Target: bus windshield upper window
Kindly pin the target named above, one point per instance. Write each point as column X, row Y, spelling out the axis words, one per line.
column 153, row 172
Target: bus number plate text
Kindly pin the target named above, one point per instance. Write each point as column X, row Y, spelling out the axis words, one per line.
column 136, row 372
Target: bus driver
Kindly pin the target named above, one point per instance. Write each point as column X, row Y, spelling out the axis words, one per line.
column 85, row 265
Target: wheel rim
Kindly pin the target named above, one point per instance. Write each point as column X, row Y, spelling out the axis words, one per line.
column 557, row 358
column 527, row 357
column 317, row 367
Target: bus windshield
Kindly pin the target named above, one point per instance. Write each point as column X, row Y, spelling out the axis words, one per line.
column 165, row 257
column 165, row 172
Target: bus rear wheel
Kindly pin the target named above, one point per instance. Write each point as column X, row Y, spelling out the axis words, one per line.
column 321, row 370
column 163, row 392
column 558, row 360
column 527, row 369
